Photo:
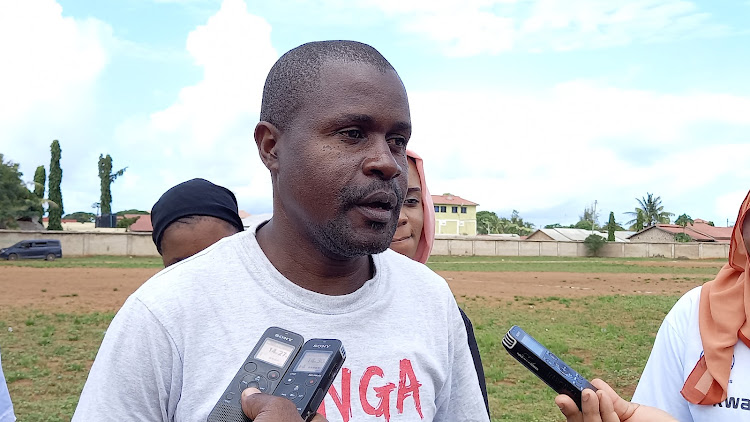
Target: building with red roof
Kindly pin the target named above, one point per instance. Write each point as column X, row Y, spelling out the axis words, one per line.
column 699, row 231
column 455, row 215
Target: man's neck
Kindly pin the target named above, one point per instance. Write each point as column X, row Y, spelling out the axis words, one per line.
column 302, row 263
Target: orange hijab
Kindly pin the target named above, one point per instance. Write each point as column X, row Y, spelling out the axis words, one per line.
column 723, row 320
column 428, row 227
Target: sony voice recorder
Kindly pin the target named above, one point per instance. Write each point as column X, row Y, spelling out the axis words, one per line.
column 548, row 367
column 263, row 369
column 311, row 374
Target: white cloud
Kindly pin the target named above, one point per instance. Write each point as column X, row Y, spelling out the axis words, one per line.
column 579, row 140
column 48, row 79
column 493, row 26
column 208, row 131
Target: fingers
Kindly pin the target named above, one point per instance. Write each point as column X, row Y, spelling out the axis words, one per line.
column 265, row 408
column 318, row 418
column 590, row 405
column 568, row 408
column 623, row 408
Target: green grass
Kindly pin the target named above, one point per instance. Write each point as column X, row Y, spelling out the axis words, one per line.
column 569, row 264
column 90, row 262
column 46, row 356
column 609, row 337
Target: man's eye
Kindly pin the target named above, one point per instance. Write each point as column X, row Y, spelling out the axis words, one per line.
column 352, row 133
column 399, row 142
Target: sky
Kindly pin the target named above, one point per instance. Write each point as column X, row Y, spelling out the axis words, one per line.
column 539, row 106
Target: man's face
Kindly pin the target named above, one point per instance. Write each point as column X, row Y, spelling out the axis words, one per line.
column 342, row 166
column 185, row 239
column 411, row 220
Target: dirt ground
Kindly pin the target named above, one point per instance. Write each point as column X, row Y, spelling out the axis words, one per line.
column 105, row 289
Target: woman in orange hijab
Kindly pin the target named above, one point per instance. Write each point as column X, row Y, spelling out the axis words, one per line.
column 699, row 368
column 414, row 236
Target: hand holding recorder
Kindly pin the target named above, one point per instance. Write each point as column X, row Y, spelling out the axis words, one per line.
column 298, row 374
column 607, row 406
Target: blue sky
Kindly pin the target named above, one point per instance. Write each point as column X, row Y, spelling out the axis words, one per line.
column 542, row 106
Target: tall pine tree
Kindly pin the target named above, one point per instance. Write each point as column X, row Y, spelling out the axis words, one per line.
column 611, row 228
column 55, row 192
column 40, row 178
column 107, row 177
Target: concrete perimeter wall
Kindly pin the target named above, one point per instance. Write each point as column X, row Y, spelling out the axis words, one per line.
column 140, row 244
column 88, row 243
column 481, row 246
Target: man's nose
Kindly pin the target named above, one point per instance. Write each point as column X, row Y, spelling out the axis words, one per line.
column 381, row 161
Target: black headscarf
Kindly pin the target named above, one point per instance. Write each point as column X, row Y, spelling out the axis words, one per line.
column 194, row 197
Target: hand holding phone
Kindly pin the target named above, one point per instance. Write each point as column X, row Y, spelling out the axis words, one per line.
column 545, row 365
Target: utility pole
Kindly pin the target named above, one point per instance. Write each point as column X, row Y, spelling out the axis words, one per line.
column 593, row 218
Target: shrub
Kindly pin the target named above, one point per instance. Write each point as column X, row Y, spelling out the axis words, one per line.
column 594, row 243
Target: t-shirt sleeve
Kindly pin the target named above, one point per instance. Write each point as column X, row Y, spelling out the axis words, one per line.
column 135, row 372
column 461, row 398
column 663, row 376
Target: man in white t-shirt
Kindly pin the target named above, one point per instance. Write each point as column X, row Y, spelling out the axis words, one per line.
column 334, row 126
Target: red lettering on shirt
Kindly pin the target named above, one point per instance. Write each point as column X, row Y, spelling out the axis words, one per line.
column 404, row 390
column 383, row 393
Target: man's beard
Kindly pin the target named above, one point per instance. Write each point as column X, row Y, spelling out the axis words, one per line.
column 337, row 237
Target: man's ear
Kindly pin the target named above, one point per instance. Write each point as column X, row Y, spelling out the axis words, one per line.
column 266, row 138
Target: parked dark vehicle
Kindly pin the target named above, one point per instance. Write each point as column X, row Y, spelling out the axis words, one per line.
column 48, row 249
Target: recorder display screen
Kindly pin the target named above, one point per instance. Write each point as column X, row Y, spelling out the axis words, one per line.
column 274, row 352
column 312, row 361
column 534, row 345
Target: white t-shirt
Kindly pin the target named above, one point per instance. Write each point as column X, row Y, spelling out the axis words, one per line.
column 6, row 407
column 178, row 341
column 676, row 351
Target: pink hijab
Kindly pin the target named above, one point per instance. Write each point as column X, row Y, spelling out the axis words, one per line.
column 428, row 228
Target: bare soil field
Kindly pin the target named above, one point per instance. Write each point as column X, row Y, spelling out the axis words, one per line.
column 105, row 289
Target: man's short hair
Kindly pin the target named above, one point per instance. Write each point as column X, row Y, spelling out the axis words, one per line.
column 297, row 74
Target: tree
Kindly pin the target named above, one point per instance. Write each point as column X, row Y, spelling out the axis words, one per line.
column 81, row 217
column 637, row 222
column 16, row 201
column 589, row 218
column 553, row 226
column 55, row 192
column 486, row 222
column 107, row 177
column 652, row 209
column 683, row 221
column 611, row 227
column 682, row 237
column 594, row 243
column 515, row 225
column 40, row 179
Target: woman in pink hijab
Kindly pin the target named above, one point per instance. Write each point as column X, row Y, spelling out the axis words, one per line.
column 414, row 236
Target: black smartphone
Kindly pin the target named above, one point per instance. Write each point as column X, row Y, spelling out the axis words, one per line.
column 263, row 369
column 311, row 374
column 548, row 367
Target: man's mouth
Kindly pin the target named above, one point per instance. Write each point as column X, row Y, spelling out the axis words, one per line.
column 378, row 206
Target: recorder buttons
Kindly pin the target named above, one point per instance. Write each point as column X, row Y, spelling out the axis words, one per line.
column 254, row 380
column 273, row 375
column 311, row 381
column 250, row 367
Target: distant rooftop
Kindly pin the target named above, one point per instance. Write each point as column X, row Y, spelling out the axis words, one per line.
column 450, row 199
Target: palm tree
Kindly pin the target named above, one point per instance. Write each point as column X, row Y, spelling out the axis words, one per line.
column 651, row 209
